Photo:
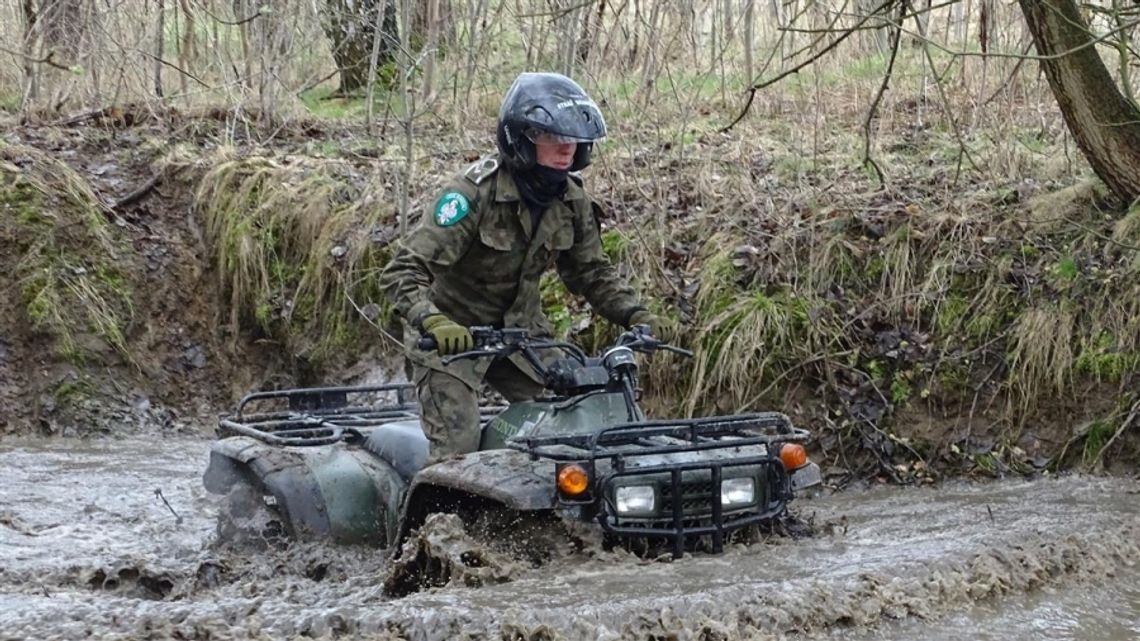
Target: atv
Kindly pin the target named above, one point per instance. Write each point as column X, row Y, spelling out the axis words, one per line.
column 348, row 463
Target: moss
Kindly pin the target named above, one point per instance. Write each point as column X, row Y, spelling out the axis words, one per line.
column 10, row 102
column 554, row 298
column 67, row 263
column 1096, row 438
column 1065, row 270
column 901, row 389
column 953, row 379
column 616, row 245
column 875, row 267
column 1101, row 359
column 951, row 314
column 72, row 389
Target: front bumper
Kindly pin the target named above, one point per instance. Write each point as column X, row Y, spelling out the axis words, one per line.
column 690, row 503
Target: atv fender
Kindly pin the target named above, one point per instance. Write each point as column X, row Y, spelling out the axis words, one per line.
column 336, row 491
column 506, row 477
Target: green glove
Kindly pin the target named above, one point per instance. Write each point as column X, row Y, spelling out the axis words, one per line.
column 662, row 328
column 450, row 337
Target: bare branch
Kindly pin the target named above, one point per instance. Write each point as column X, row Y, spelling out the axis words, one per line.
column 963, row 150
column 867, row 160
column 835, row 43
column 46, row 60
column 175, row 67
column 232, row 23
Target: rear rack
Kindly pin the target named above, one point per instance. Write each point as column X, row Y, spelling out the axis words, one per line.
column 709, row 433
column 320, row 415
column 324, row 415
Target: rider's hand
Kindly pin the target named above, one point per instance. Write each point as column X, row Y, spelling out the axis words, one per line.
column 450, row 337
column 660, row 327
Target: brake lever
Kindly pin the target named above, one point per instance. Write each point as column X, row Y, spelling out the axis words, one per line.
column 675, row 350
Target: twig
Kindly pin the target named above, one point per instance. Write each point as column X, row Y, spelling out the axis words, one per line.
column 1009, row 79
column 1120, row 430
column 158, row 493
column 963, row 150
column 137, row 194
column 867, row 159
column 176, row 68
column 835, row 43
column 309, row 85
column 238, row 23
column 558, row 13
column 915, row 12
column 82, row 116
column 47, row 60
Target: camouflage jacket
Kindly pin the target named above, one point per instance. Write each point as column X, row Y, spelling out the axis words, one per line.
column 475, row 258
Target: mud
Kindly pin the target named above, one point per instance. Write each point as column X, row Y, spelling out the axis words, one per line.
column 442, row 553
column 92, row 551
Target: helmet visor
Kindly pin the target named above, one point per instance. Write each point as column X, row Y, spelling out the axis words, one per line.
column 539, row 137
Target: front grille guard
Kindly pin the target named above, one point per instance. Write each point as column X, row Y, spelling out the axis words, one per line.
column 621, row 443
column 776, row 497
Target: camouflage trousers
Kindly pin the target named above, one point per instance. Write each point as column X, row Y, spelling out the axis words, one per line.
column 449, row 408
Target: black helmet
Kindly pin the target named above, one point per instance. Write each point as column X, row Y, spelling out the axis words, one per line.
column 547, row 103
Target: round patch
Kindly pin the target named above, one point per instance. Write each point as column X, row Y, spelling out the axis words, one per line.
column 451, row 208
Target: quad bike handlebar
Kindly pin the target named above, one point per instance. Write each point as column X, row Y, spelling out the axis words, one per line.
column 614, row 370
column 500, row 343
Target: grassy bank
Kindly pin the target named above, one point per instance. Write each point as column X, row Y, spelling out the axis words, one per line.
column 985, row 324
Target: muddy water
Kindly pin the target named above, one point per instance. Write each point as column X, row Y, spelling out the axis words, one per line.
column 88, row 549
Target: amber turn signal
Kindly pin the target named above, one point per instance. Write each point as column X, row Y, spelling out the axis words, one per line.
column 793, row 456
column 573, row 480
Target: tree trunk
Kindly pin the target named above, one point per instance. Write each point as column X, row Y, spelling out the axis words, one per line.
column 31, row 79
column 1105, row 125
column 430, row 16
column 350, row 27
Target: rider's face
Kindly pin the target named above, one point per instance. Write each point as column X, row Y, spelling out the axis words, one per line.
column 556, row 155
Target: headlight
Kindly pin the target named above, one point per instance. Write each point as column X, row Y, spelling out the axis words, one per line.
column 737, row 492
column 635, row 499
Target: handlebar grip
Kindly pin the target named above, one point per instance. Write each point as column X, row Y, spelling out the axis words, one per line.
column 427, row 344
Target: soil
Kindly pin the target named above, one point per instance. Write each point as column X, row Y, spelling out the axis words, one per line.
column 185, row 366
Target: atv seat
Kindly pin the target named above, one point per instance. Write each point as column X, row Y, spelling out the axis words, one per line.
column 401, row 444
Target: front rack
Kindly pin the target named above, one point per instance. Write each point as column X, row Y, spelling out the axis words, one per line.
column 708, row 433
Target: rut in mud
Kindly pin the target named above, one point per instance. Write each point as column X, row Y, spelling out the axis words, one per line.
column 115, row 538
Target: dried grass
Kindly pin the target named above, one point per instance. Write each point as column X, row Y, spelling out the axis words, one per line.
column 291, row 244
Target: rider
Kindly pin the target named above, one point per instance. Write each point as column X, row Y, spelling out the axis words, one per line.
column 476, row 258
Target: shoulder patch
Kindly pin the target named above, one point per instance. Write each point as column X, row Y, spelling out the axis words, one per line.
column 480, row 170
column 451, row 208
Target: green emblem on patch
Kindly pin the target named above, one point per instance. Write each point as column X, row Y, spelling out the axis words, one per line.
column 451, row 208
